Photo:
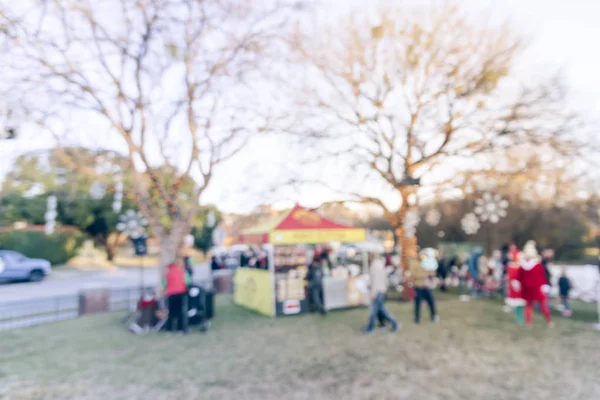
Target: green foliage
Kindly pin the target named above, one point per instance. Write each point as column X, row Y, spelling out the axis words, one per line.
column 15, row 207
column 202, row 232
column 57, row 248
column 45, row 173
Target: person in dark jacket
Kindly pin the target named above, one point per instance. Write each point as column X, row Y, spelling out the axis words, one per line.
column 187, row 262
column 175, row 285
column 473, row 265
column 547, row 256
column 315, row 285
column 214, row 263
column 564, row 288
column 504, row 260
column 442, row 270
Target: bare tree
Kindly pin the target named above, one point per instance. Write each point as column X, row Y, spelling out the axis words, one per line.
column 421, row 92
column 168, row 83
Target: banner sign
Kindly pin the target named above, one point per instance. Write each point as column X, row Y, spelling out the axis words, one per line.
column 254, row 290
column 315, row 236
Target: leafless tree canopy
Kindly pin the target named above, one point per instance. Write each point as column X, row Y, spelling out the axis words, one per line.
column 420, row 92
column 172, row 80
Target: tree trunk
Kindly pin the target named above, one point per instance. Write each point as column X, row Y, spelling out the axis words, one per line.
column 110, row 253
column 406, row 246
column 110, row 249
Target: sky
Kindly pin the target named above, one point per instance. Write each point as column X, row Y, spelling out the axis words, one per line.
column 564, row 37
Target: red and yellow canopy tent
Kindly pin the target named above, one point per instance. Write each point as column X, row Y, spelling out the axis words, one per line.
column 280, row 290
column 301, row 226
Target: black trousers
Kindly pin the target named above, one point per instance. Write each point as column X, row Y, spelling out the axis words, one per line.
column 427, row 295
column 316, row 297
column 177, row 312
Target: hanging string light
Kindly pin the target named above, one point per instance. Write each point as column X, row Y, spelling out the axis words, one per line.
column 97, row 191
column 50, row 215
column 211, row 219
column 118, row 200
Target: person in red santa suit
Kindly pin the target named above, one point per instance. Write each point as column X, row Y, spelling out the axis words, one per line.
column 533, row 283
column 514, row 299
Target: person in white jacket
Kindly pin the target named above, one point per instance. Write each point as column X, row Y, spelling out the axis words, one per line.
column 597, row 326
column 379, row 286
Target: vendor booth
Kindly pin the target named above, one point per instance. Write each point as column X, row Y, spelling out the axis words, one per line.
column 291, row 241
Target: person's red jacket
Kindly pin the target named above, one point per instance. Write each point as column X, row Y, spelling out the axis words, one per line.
column 177, row 280
column 513, row 297
column 532, row 277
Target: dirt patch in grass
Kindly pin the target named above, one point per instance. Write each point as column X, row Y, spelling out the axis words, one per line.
column 475, row 352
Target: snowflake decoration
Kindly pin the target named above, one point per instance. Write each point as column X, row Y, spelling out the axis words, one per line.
column 433, row 217
column 491, row 207
column 50, row 215
column 97, row 191
column 211, row 219
column 118, row 197
column 132, row 223
column 470, row 224
column 411, row 220
column 441, row 234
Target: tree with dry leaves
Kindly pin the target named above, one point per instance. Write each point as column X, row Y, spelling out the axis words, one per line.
column 421, row 96
column 167, row 83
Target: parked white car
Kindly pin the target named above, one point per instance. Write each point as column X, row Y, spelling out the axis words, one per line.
column 15, row 266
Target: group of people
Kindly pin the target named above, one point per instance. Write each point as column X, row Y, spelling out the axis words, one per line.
column 522, row 277
column 253, row 257
column 528, row 281
column 421, row 273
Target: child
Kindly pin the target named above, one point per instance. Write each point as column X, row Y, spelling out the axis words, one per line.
column 513, row 297
column 564, row 287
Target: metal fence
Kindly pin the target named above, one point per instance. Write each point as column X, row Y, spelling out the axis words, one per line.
column 22, row 314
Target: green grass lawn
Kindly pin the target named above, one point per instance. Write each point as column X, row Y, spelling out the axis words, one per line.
column 474, row 353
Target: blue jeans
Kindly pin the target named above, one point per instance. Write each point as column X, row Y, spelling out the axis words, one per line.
column 378, row 308
column 426, row 295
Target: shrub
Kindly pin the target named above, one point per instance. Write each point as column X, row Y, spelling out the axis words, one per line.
column 57, row 248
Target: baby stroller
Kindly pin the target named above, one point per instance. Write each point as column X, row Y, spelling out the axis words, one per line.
column 200, row 307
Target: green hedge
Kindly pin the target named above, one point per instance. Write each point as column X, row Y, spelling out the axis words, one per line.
column 57, row 248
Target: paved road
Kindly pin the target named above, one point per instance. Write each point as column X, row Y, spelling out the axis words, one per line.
column 55, row 298
column 70, row 282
